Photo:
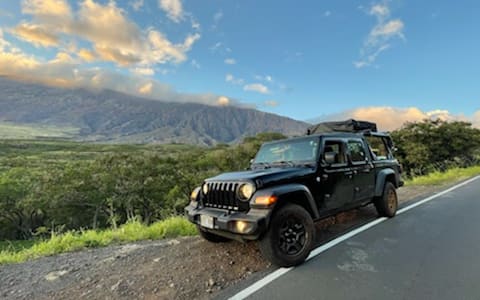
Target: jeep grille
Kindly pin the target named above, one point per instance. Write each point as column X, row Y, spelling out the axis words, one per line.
column 224, row 195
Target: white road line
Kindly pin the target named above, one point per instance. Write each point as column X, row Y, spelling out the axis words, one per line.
column 282, row 271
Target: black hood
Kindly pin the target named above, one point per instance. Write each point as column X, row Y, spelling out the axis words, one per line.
column 265, row 176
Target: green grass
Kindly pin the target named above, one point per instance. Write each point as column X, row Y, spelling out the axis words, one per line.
column 76, row 240
column 451, row 175
column 15, row 131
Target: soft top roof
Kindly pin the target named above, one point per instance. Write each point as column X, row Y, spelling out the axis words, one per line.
column 350, row 125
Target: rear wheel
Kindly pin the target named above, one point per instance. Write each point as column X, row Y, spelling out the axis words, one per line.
column 213, row 238
column 387, row 204
column 290, row 236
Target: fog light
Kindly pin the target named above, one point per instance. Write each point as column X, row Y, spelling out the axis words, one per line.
column 243, row 227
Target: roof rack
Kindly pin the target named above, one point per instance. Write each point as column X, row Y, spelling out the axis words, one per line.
column 350, row 125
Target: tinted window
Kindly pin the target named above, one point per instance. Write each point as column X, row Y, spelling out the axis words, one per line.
column 357, row 151
column 338, row 148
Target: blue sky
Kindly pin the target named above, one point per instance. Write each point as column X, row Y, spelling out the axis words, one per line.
column 299, row 59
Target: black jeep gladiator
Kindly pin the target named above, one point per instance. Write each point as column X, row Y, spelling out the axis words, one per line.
column 292, row 183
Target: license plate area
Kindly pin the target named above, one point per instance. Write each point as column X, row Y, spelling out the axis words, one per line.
column 207, row 221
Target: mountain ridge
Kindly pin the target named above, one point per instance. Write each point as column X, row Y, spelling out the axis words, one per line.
column 110, row 116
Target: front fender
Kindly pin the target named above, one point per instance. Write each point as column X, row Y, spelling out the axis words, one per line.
column 284, row 192
column 381, row 178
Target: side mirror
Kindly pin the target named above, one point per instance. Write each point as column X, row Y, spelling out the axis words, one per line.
column 330, row 157
column 251, row 160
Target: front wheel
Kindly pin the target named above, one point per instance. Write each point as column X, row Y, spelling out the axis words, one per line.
column 290, row 236
column 387, row 204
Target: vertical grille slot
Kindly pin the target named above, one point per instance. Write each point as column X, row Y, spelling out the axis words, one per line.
column 223, row 195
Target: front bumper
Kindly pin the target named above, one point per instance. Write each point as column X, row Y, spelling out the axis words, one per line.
column 224, row 221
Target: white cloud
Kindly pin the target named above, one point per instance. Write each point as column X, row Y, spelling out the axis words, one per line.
column 195, row 64
column 391, row 118
column 217, row 17
column 136, row 4
column 146, row 89
column 86, row 55
column 230, row 78
column 381, row 35
column 223, row 101
column 230, row 61
column 143, row 71
column 266, row 78
column 256, row 87
column 35, row 34
column 380, row 10
column 113, row 36
column 476, row 119
column 173, row 9
column 271, row 103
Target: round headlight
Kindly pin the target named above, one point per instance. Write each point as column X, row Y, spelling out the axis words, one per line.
column 194, row 194
column 246, row 191
column 205, row 188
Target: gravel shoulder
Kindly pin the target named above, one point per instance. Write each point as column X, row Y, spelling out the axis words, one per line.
column 182, row 268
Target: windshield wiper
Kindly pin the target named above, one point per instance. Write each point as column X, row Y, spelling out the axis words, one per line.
column 284, row 162
column 263, row 164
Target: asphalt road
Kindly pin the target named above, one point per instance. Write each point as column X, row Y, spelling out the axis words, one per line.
column 429, row 252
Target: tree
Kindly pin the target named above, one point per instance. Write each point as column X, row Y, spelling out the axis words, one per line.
column 435, row 145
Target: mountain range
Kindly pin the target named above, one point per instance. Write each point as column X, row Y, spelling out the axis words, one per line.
column 109, row 116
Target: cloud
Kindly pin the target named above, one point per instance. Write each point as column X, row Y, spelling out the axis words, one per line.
column 146, row 89
column 256, row 87
column 271, row 103
column 173, row 9
column 52, row 10
column 476, row 119
column 327, row 13
column 136, row 4
column 230, row 61
column 65, row 71
column 86, row 55
column 379, row 10
column 385, row 31
column 62, row 57
column 35, row 34
column 217, row 17
column 143, row 71
column 113, row 36
column 195, row 64
column 391, row 118
column 266, row 78
column 237, row 81
column 223, row 101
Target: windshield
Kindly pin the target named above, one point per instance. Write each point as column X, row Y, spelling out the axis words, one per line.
column 295, row 151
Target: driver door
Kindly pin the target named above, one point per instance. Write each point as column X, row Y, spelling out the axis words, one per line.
column 336, row 179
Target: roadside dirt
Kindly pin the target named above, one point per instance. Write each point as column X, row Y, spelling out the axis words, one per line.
column 183, row 268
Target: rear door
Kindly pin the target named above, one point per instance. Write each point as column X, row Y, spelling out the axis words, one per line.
column 335, row 180
column 363, row 171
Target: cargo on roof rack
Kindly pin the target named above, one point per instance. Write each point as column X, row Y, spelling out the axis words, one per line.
column 350, row 125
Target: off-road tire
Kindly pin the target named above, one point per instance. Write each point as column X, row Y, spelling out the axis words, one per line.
column 213, row 238
column 285, row 233
column 387, row 204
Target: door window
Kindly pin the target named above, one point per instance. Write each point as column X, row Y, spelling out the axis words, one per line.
column 338, row 148
column 357, row 151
